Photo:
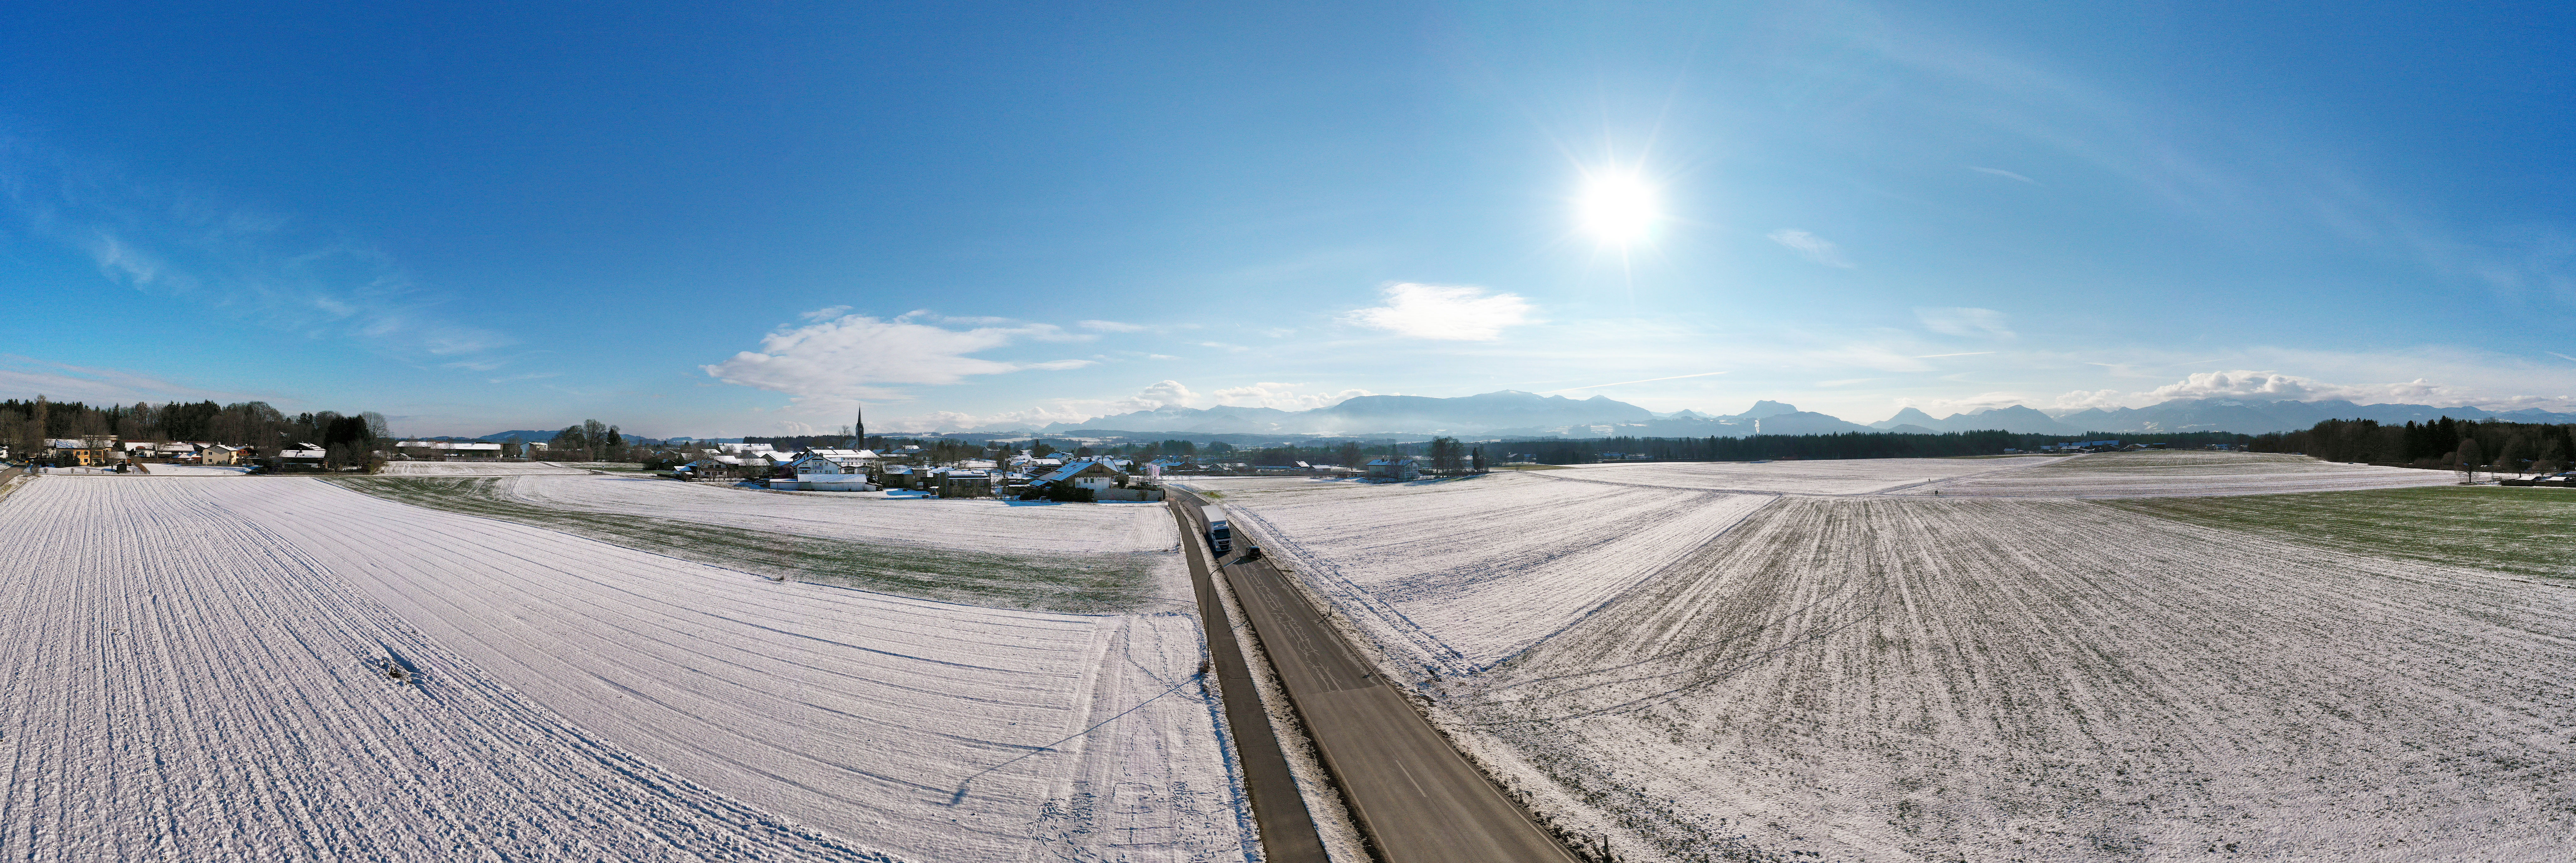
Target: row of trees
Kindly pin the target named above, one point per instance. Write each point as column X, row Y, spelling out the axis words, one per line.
column 2443, row 443
column 349, row 439
column 590, row 441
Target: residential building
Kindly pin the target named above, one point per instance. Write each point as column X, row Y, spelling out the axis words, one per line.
column 1395, row 468
column 965, row 483
column 1084, row 474
column 221, row 454
column 302, row 455
column 87, row 452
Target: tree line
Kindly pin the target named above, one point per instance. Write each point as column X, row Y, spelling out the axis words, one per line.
column 348, row 439
column 2442, row 443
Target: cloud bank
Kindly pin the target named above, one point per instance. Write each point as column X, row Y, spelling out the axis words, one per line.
column 1444, row 312
column 836, row 361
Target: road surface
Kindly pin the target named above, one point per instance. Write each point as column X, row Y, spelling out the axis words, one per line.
column 1419, row 800
column 1287, row 829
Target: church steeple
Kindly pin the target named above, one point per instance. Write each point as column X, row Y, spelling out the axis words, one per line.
column 862, row 428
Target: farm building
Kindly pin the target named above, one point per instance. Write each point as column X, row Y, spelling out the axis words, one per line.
column 725, row 467
column 448, row 450
column 1395, row 468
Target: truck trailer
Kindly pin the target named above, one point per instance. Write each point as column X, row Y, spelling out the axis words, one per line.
column 1220, row 536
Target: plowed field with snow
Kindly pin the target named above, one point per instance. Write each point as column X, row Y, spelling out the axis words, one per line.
column 1453, row 576
column 1818, row 476
column 1919, row 679
column 199, row 670
column 2183, row 474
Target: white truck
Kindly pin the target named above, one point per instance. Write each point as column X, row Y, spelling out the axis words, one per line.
column 1220, row 536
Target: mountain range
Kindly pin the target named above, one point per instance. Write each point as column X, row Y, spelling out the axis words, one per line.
column 1515, row 413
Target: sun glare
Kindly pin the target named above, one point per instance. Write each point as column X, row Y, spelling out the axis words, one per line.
column 1618, row 208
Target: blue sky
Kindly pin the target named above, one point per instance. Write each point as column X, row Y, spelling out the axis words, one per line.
column 703, row 220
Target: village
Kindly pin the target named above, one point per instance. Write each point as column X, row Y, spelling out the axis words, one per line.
column 1038, row 472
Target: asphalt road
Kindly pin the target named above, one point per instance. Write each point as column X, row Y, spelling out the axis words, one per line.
column 1419, row 800
column 1287, row 829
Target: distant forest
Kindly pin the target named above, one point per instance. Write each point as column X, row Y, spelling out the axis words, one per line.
column 2442, row 443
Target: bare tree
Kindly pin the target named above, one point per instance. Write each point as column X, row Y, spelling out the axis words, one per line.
column 2510, row 457
column 2469, row 460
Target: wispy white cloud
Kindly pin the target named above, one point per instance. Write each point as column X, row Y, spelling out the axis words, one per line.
column 1999, row 172
column 1112, row 327
column 1444, row 312
column 231, row 259
column 1811, row 247
column 531, row 376
column 1964, row 322
column 27, row 377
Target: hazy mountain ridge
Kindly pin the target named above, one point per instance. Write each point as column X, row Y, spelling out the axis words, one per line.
column 1515, row 413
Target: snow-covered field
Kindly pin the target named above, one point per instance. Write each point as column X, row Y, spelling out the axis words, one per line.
column 1818, row 476
column 195, row 470
column 965, row 523
column 1919, row 679
column 197, row 670
column 2183, row 474
column 487, row 468
column 1843, row 665
column 1457, row 575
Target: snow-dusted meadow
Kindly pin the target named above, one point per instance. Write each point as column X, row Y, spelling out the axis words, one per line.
column 469, row 468
column 2182, row 473
column 202, row 670
column 1456, row 575
column 1933, row 679
column 1817, row 476
column 964, row 523
column 1849, row 666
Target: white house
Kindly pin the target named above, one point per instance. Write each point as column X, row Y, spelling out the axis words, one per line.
column 1395, row 468
column 827, row 470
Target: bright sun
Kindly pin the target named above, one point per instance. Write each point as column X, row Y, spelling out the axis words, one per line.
column 1617, row 208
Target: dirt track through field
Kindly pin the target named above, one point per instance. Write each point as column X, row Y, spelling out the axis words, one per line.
column 1890, row 678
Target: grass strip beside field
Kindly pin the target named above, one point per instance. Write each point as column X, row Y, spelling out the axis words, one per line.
column 1082, row 584
column 2524, row 531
